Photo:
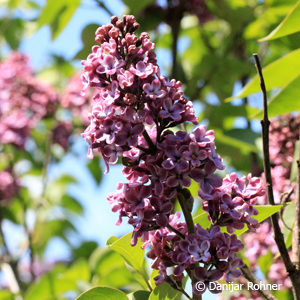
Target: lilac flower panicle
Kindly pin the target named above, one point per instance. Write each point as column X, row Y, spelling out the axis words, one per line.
column 24, row 100
column 133, row 109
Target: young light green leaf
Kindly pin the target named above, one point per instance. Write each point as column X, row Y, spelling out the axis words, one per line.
column 288, row 67
column 294, row 169
column 57, row 14
column 6, row 295
column 264, row 212
column 165, row 292
column 202, row 220
column 58, row 281
column 106, row 293
column 133, row 255
column 289, row 25
column 286, row 101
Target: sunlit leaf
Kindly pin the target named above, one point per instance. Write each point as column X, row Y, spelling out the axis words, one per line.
column 286, row 101
column 6, row 295
column 264, row 212
column 165, row 292
column 57, row 14
column 289, row 25
column 106, row 293
column 133, row 255
column 58, row 281
column 277, row 74
column 294, row 169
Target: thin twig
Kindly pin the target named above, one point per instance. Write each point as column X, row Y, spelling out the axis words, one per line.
column 284, row 198
column 104, row 7
column 279, row 239
column 248, row 274
column 176, row 231
column 152, row 147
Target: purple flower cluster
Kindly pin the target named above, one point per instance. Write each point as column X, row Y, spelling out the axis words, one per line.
column 24, row 100
column 9, row 186
column 130, row 91
column 208, row 253
column 231, row 204
column 133, row 109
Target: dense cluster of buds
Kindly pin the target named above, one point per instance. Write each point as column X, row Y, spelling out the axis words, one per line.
column 133, row 109
column 9, row 186
column 24, row 100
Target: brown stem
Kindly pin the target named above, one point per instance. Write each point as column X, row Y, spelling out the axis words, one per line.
column 248, row 274
column 279, row 239
column 176, row 231
column 174, row 17
column 186, row 209
column 152, row 147
column 186, row 212
column 296, row 232
column 104, row 7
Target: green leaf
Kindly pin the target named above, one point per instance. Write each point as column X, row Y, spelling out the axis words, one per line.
column 58, row 281
column 99, row 293
column 95, row 169
column 12, row 30
column 44, row 231
column 294, row 169
column 71, row 204
column 88, row 40
column 203, row 220
column 286, row 101
column 139, row 295
column 57, row 14
column 289, row 25
column 277, row 74
column 135, row 6
column 165, row 292
column 264, row 212
column 6, row 295
column 109, row 269
column 135, row 256
column 265, row 262
column 85, row 249
column 233, row 139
